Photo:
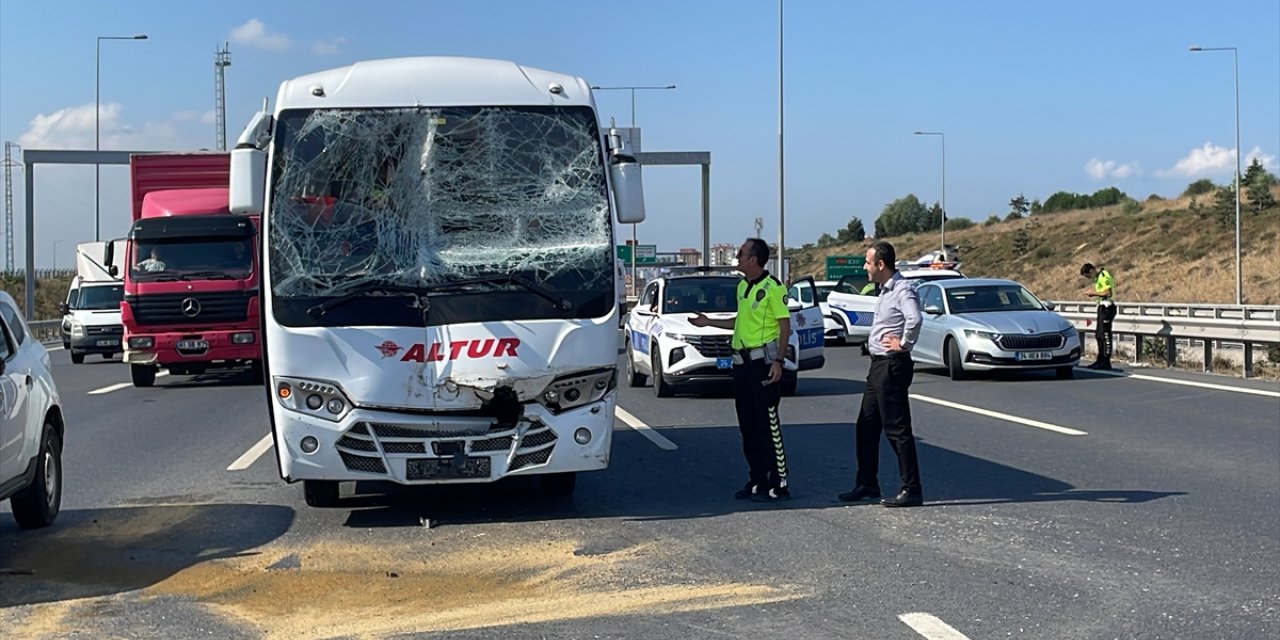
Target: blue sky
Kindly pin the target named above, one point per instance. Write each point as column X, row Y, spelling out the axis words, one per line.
column 1034, row 97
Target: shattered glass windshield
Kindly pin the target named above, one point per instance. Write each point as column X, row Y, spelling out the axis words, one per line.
column 443, row 203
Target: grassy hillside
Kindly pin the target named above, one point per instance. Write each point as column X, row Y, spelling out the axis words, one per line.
column 1161, row 253
column 50, row 292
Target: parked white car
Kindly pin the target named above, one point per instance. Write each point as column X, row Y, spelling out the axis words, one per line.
column 31, row 426
column 979, row 324
column 661, row 344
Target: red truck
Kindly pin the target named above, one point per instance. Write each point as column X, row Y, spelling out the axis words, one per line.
column 191, row 273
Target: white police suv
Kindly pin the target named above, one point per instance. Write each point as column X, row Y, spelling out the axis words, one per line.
column 661, row 344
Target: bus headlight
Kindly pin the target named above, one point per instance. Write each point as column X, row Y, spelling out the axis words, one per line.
column 318, row 398
column 578, row 389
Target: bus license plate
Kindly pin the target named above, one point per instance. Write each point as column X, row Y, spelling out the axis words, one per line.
column 1034, row 355
column 444, row 468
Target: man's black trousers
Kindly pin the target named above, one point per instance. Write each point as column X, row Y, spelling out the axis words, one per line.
column 757, row 407
column 1102, row 333
column 885, row 408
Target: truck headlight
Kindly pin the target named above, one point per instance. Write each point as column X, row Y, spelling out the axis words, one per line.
column 142, row 342
column 578, row 389
column 244, row 337
column 318, row 398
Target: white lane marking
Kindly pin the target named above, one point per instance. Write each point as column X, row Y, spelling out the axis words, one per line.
column 249, row 457
column 1189, row 383
column 57, row 348
column 1001, row 416
column 121, row 385
column 109, row 388
column 931, row 627
column 644, row 429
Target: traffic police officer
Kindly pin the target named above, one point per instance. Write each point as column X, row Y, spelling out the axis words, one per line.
column 1103, row 288
column 761, row 330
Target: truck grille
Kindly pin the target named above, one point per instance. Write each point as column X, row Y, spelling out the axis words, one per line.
column 190, row 308
column 366, row 447
column 1038, row 341
column 712, row 346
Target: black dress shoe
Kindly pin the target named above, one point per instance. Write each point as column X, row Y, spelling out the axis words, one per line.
column 904, row 499
column 745, row 492
column 860, row 493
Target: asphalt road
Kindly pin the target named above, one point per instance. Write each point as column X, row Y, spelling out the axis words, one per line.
column 1143, row 506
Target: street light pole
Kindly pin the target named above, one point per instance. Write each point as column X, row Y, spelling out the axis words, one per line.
column 1235, row 54
column 55, row 254
column 97, row 144
column 944, row 185
column 782, row 189
column 632, row 89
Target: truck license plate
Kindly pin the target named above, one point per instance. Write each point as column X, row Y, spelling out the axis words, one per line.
column 1034, row 355
column 446, row 468
column 724, row 363
column 193, row 345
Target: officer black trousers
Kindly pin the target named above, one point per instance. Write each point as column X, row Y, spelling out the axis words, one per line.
column 885, row 408
column 1102, row 333
column 758, row 421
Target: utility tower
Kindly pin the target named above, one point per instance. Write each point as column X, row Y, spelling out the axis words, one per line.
column 9, row 164
column 222, row 60
column 759, row 227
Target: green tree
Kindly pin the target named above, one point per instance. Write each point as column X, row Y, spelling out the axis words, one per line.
column 825, row 240
column 933, row 220
column 956, row 224
column 1199, row 187
column 903, row 215
column 1036, row 207
column 852, row 232
column 1013, row 215
column 1021, row 240
column 1224, row 207
column 1020, row 205
column 993, row 219
column 1257, row 183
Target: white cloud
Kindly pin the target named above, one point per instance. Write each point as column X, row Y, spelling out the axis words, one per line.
column 73, row 128
column 1207, row 160
column 1100, row 169
column 330, row 46
column 209, row 117
column 254, row 34
column 1268, row 162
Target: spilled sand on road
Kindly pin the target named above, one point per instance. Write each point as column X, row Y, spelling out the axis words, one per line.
column 369, row 591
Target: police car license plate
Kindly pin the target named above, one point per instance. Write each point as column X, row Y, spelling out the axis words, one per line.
column 724, row 363
column 1034, row 355
column 108, row 343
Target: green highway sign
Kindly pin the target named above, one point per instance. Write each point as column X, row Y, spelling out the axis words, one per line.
column 838, row 266
column 645, row 254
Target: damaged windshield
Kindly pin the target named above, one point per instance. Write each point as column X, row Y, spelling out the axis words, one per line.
column 434, row 202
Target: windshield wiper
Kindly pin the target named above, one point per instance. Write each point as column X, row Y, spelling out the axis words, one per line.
column 362, row 291
column 206, row 275
column 561, row 304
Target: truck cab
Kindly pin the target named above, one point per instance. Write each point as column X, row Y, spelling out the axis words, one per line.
column 190, row 271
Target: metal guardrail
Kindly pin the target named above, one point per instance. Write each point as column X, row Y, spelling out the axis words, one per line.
column 1248, row 325
column 46, row 331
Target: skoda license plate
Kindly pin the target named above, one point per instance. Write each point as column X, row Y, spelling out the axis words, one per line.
column 1034, row 355
column 724, row 363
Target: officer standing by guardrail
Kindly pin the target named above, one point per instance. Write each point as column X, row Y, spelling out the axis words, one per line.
column 761, row 330
column 1103, row 289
